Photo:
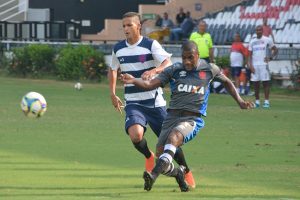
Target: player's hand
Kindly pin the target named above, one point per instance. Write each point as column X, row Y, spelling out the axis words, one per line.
column 127, row 78
column 267, row 59
column 148, row 75
column 117, row 103
column 246, row 105
column 252, row 69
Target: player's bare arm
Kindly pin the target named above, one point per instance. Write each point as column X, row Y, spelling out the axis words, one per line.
column 250, row 62
column 211, row 55
column 115, row 100
column 274, row 52
column 232, row 91
column 143, row 84
column 147, row 75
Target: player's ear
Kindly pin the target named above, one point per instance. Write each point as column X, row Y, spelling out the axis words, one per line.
column 139, row 26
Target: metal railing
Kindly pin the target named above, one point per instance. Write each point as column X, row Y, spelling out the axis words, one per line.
column 44, row 31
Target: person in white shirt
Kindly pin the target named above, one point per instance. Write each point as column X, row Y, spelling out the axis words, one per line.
column 259, row 48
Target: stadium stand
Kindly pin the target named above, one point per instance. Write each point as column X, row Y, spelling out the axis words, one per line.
column 112, row 33
column 13, row 10
column 283, row 17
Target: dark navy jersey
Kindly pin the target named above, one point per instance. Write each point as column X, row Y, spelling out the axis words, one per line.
column 190, row 89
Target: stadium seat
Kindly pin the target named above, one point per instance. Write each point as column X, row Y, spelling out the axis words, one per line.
column 244, row 18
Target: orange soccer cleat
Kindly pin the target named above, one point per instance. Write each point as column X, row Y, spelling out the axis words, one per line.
column 150, row 162
column 190, row 179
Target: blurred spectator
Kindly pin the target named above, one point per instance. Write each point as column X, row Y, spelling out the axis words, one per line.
column 166, row 22
column 267, row 30
column 162, row 29
column 184, row 30
column 258, row 64
column 204, row 42
column 180, row 16
column 158, row 20
column 238, row 59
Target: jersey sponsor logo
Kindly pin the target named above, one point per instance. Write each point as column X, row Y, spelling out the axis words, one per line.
column 258, row 42
column 202, row 75
column 182, row 73
column 259, row 48
column 190, row 88
column 121, row 60
column 142, row 58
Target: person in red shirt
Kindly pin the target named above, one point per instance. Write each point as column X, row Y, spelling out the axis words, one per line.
column 238, row 59
column 267, row 30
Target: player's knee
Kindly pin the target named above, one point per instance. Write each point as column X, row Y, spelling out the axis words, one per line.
column 136, row 133
column 136, row 138
column 175, row 138
column 159, row 151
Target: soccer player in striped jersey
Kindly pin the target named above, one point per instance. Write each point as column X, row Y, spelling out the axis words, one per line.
column 143, row 58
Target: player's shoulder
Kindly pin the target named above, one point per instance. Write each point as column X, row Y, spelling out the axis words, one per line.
column 147, row 43
column 194, row 34
column 207, row 34
column 178, row 66
column 120, row 45
column 265, row 38
column 203, row 65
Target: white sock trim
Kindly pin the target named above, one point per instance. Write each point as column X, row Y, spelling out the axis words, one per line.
column 167, row 156
column 170, row 147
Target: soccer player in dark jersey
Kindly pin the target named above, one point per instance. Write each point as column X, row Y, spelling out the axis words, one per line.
column 189, row 83
column 144, row 58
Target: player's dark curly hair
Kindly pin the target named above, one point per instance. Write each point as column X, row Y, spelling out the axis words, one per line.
column 189, row 46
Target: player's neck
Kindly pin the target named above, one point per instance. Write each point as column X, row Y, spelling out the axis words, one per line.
column 133, row 40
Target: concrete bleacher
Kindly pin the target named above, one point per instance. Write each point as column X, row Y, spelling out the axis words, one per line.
column 13, row 10
column 112, row 32
column 283, row 16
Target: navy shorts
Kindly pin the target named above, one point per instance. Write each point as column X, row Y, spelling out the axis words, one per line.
column 236, row 71
column 141, row 115
column 248, row 73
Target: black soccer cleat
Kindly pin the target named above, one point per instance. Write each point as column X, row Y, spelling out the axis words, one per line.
column 180, row 179
column 149, row 180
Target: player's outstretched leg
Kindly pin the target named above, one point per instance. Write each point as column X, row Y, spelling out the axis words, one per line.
column 149, row 180
column 180, row 159
column 180, row 179
column 161, row 166
column 150, row 162
column 189, row 178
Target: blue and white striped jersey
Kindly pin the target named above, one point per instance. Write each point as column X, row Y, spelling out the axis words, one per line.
column 135, row 59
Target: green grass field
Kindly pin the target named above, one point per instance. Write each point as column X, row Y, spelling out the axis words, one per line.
column 79, row 150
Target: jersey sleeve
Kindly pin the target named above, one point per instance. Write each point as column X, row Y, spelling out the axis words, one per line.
column 159, row 54
column 270, row 42
column 217, row 73
column 245, row 51
column 250, row 46
column 165, row 76
column 115, row 64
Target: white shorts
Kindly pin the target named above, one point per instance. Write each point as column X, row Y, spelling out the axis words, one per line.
column 261, row 73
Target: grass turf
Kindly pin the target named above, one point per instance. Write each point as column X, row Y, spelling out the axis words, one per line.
column 79, row 150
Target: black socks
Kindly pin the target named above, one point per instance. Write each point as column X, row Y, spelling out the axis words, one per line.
column 143, row 148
